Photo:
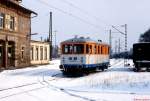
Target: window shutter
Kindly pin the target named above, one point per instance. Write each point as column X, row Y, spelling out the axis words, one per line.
column 16, row 23
column 7, row 21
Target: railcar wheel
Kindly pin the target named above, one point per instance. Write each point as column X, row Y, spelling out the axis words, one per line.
column 97, row 69
column 102, row 68
column 137, row 69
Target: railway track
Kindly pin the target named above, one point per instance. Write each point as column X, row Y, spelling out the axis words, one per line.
column 41, row 83
column 28, row 87
column 28, row 84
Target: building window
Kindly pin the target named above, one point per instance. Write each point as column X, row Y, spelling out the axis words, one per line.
column 22, row 52
column 12, row 23
column 37, row 53
column 45, row 57
column 1, row 20
column 32, row 54
column 41, row 53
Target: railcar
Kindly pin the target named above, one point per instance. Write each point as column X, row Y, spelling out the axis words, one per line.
column 141, row 56
column 84, row 55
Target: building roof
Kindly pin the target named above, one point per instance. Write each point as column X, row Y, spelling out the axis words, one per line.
column 40, row 42
column 9, row 3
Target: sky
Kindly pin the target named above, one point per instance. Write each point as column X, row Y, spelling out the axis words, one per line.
column 90, row 18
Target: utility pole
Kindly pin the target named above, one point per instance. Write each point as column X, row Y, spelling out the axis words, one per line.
column 126, row 48
column 119, row 47
column 110, row 43
column 50, row 36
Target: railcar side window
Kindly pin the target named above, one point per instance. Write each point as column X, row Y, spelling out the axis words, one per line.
column 106, row 49
column 87, row 49
column 95, row 49
column 101, row 49
column 90, row 49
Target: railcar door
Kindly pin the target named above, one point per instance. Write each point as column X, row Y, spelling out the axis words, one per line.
column 1, row 54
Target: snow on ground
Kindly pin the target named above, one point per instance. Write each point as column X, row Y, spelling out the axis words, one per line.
column 47, row 83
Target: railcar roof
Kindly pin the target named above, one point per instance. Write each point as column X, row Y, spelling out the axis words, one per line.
column 141, row 43
column 82, row 40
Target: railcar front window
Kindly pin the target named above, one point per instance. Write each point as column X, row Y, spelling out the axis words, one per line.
column 66, row 49
column 73, row 49
column 78, row 49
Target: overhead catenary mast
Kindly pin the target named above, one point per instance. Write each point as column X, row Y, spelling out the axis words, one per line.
column 126, row 44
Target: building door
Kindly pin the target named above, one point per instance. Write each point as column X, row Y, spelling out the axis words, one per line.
column 2, row 53
column 11, row 54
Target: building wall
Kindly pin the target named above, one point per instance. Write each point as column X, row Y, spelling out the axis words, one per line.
column 19, row 35
column 39, row 53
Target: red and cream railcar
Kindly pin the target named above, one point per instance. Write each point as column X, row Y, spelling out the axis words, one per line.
column 84, row 54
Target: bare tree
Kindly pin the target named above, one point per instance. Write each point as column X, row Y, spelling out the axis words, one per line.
column 145, row 37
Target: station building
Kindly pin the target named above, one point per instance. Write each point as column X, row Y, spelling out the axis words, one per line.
column 15, row 34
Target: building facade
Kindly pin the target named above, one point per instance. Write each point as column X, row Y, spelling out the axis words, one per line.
column 39, row 53
column 15, row 33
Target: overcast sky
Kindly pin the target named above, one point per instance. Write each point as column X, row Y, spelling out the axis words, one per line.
column 97, row 16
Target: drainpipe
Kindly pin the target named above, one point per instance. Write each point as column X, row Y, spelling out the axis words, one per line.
column 6, row 52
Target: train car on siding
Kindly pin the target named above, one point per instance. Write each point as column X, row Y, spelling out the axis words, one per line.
column 84, row 55
column 141, row 56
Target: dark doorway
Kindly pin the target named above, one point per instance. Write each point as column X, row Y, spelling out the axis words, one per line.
column 11, row 54
column 2, row 54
